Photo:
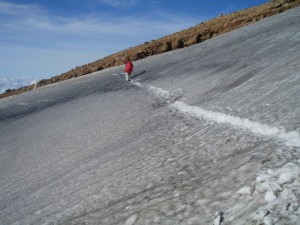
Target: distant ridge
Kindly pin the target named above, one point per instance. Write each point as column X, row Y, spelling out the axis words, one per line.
column 196, row 34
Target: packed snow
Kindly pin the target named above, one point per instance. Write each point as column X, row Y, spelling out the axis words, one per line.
column 291, row 138
column 280, row 186
column 207, row 134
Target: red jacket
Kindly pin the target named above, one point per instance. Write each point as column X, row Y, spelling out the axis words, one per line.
column 128, row 67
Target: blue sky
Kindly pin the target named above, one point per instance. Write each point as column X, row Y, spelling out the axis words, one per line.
column 41, row 39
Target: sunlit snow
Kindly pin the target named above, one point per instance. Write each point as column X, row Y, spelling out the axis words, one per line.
column 207, row 134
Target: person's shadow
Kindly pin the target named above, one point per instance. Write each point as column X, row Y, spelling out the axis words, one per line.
column 138, row 74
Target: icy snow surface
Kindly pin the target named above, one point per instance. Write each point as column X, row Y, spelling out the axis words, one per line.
column 203, row 135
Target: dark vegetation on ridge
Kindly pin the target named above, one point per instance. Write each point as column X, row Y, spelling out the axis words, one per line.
column 188, row 37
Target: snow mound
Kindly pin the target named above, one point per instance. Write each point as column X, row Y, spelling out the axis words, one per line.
column 159, row 97
column 278, row 193
column 291, row 138
column 282, row 189
column 246, row 191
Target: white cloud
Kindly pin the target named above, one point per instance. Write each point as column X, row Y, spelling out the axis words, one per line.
column 130, row 25
column 121, row 3
column 17, row 9
column 118, row 3
column 6, row 83
column 126, row 26
column 22, row 16
column 35, row 18
column 34, row 42
column 32, row 20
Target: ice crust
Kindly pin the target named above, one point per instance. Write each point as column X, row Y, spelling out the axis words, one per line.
column 202, row 135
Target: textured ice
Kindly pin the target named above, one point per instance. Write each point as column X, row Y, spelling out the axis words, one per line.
column 270, row 196
column 172, row 147
column 286, row 177
column 281, row 202
column 246, row 191
column 290, row 138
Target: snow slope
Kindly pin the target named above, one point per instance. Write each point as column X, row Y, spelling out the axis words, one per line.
column 203, row 135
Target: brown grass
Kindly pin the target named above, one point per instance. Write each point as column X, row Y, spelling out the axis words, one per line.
column 188, row 37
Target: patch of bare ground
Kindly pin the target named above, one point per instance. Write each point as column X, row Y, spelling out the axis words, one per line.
column 185, row 38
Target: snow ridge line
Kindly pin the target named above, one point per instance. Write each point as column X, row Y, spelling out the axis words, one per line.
column 156, row 91
column 291, row 138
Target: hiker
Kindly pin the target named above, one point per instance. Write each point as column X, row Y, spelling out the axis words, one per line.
column 128, row 69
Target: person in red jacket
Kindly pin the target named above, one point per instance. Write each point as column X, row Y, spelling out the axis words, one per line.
column 128, row 69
